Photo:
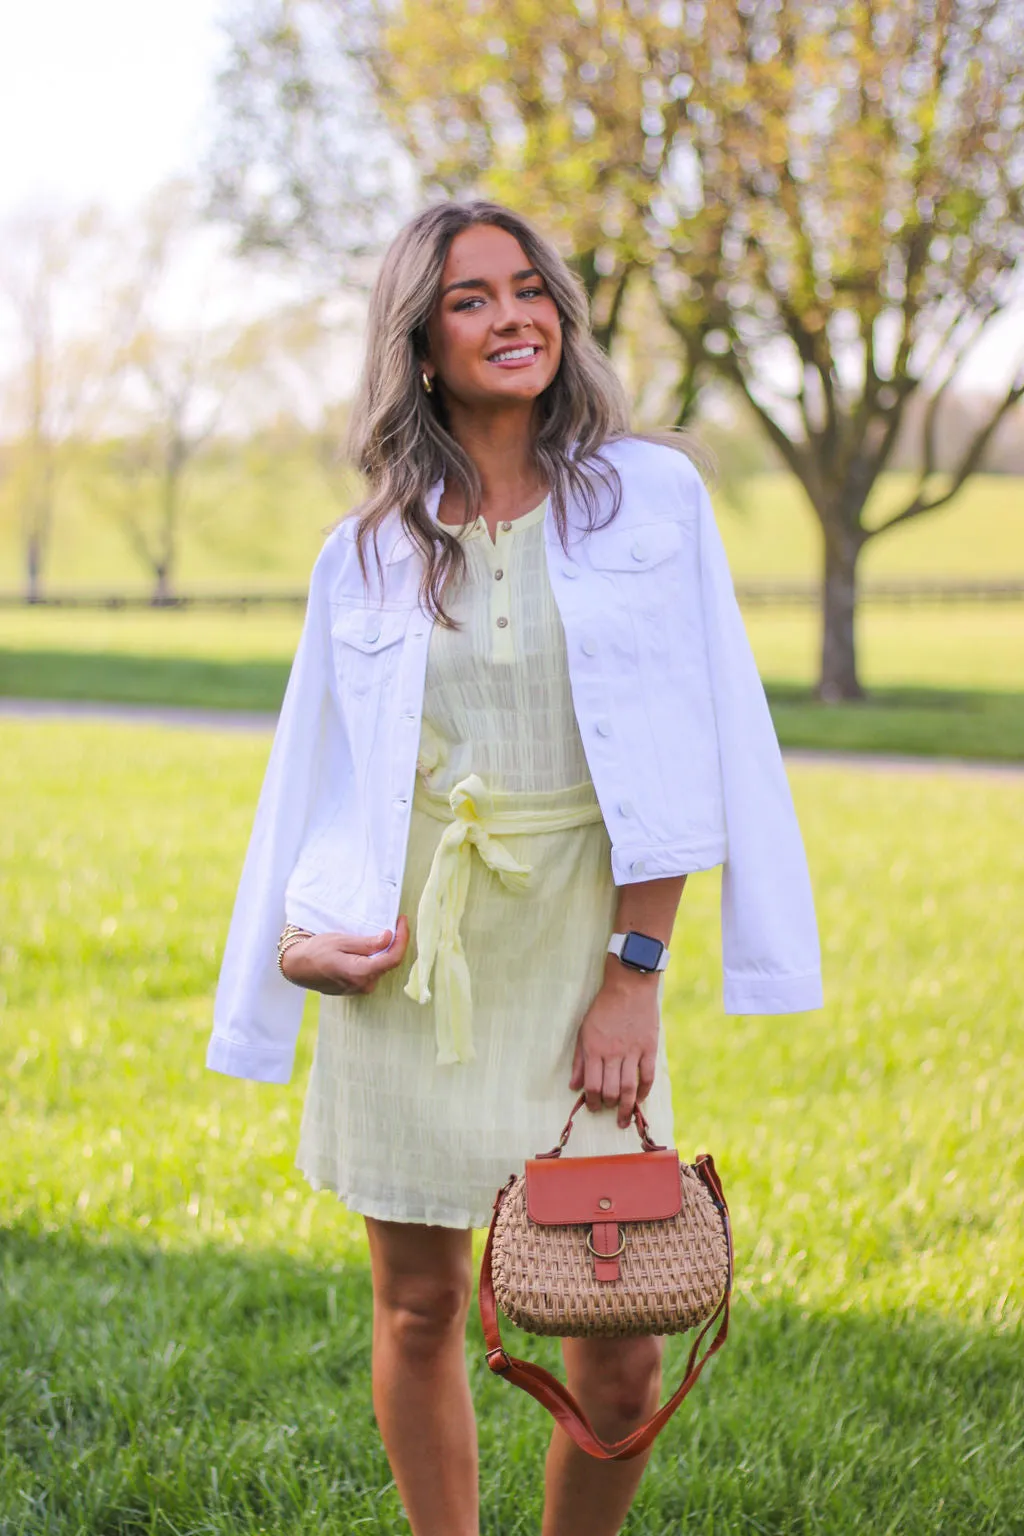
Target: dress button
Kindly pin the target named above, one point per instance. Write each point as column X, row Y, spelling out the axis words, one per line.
column 625, row 807
column 638, row 866
column 588, row 648
column 506, row 527
column 603, row 727
column 502, row 622
column 498, row 575
column 638, row 552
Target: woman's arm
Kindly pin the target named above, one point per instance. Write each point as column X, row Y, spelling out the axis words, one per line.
column 617, row 1044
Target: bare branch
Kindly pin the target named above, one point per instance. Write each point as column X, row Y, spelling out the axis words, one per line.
column 970, row 461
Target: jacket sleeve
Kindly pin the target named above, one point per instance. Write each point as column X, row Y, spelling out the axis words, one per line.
column 771, row 959
column 257, row 1012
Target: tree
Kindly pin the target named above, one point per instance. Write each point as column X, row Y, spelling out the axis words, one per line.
column 49, row 259
column 827, row 201
column 181, row 369
column 304, row 163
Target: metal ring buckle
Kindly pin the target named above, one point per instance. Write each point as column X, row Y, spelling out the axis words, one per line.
column 597, row 1255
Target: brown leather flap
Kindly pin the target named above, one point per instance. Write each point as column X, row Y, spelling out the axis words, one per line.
column 636, row 1186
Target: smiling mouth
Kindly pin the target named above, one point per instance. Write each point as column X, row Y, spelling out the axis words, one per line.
column 515, row 354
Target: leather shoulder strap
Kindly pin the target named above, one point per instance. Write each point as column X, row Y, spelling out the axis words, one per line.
column 555, row 1397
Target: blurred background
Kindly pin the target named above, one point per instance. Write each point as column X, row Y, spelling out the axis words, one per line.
column 801, row 228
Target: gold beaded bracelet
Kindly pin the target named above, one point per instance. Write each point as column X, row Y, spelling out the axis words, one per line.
column 290, row 934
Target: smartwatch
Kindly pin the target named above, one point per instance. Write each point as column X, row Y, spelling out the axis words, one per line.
column 639, row 951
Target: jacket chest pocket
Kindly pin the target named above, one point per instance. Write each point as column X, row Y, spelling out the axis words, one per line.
column 641, row 574
column 629, row 552
column 365, row 643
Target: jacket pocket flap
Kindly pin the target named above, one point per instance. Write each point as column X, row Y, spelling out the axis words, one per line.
column 369, row 629
column 638, row 1186
column 636, row 548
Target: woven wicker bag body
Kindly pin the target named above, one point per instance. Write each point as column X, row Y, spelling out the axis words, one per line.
column 607, row 1247
column 672, row 1274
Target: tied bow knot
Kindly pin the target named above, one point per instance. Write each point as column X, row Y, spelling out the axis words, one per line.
column 439, row 915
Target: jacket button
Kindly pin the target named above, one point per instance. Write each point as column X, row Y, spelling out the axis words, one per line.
column 625, row 807
column 373, row 635
column 638, row 552
column 638, row 866
column 603, row 727
column 588, row 648
column 571, row 571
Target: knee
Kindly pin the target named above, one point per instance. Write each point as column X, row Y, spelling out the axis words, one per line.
column 422, row 1313
column 619, row 1379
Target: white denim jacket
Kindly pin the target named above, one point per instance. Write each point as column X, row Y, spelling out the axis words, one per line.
column 674, row 723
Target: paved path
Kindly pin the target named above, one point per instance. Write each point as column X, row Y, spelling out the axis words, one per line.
column 263, row 721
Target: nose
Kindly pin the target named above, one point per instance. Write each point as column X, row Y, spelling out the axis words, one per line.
column 512, row 315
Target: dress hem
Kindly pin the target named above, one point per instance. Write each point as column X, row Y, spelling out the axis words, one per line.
column 378, row 1210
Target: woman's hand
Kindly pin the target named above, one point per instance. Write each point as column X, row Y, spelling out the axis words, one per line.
column 340, row 963
column 617, row 1043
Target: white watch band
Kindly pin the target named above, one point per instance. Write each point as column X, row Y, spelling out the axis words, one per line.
column 616, row 942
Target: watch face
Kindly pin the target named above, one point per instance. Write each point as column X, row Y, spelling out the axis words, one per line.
column 641, row 951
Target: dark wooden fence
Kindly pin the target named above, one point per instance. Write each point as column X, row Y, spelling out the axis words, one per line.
column 762, row 594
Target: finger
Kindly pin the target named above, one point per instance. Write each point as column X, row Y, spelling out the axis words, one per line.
column 612, row 1081
column 394, row 954
column 627, row 1090
column 593, row 1076
column 648, row 1065
column 359, row 943
column 576, row 1078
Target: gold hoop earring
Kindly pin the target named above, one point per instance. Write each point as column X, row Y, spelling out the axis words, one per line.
column 428, row 386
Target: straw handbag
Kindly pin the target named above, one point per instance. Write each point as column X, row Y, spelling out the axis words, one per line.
column 605, row 1247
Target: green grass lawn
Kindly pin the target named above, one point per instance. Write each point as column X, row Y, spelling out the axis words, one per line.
column 185, row 1324
column 943, row 681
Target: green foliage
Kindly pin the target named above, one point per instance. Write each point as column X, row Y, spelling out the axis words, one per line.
column 186, row 1326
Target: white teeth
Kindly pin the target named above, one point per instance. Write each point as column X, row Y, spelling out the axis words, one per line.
column 500, row 357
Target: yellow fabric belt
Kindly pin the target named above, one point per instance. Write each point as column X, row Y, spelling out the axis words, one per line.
column 478, row 818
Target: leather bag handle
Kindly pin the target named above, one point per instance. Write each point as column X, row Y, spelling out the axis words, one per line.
column 556, row 1397
column 638, row 1119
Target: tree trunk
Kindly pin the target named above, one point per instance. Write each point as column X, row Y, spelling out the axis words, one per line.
column 164, row 565
column 162, row 585
column 839, row 679
column 33, row 569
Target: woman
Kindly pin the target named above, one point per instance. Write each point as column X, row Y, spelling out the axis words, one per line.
column 522, row 708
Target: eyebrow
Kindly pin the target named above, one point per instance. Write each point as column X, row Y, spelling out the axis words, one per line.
column 481, row 282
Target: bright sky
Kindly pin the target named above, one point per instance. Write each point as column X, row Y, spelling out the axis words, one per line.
column 101, row 100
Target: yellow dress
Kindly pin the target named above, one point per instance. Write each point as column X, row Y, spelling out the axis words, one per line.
column 425, row 1094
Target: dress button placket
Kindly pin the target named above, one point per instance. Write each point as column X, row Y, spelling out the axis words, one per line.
column 497, row 553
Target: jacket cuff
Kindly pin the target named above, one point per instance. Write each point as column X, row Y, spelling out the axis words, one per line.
column 773, row 994
column 261, row 1064
column 631, row 865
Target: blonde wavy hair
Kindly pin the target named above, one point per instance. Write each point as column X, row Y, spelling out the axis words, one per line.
column 399, row 437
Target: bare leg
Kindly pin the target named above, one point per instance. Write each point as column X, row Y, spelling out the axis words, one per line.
column 422, row 1285
column 617, row 1383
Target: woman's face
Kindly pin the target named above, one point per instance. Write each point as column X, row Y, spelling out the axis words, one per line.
column 495, row 333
